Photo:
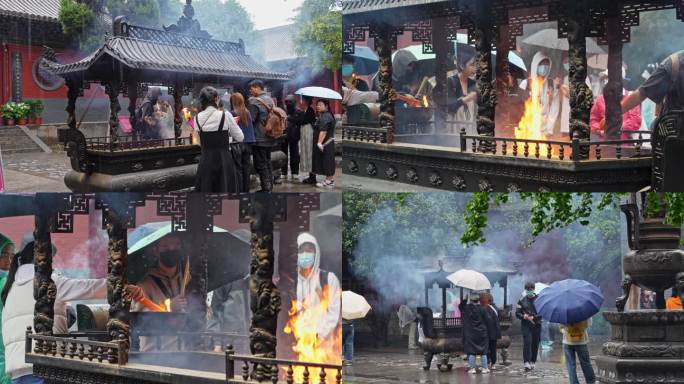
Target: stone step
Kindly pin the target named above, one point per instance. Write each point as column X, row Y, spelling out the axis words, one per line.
column 14, row 140
column 21, row 150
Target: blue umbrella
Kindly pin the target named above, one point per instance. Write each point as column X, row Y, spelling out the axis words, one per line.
column 569, row 301
column 364, row 59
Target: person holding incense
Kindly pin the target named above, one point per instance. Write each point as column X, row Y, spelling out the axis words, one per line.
column 163, row 288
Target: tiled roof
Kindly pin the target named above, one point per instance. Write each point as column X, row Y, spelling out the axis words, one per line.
column 187, row 55
column 45, row 10
column 361, row 6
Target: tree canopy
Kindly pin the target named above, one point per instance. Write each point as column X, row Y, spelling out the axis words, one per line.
column 319, row 32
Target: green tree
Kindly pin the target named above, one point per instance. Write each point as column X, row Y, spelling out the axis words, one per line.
column 228, row 20
column 319, row 32
column 81, row 21
column 557, row 210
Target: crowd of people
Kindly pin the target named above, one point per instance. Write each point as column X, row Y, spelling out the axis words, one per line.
column 237, row 136
column 548, row 69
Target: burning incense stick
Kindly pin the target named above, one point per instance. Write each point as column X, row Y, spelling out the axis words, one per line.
column 151, row 305
column 186, row 277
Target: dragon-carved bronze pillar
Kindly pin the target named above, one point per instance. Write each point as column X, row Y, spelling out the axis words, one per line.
column 613, row 90
column 581, row 98
column 117, row 297
column 196, row 291
column 132, row 100
column 383, row 47
column 44, row 288
column 112, row 90
column 264, row 295
column 177, row 108
column 444, row 52
column 483, row 34
column 73, row 91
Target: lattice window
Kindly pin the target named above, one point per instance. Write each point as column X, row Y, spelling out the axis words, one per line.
column 353, row 34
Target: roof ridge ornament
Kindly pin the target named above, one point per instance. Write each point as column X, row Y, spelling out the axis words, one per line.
column 187, row 25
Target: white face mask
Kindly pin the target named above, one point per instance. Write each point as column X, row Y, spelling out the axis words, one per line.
column 566, row 66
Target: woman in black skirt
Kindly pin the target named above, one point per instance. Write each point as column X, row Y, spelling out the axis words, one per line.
column 323, row 158
column 217, row 170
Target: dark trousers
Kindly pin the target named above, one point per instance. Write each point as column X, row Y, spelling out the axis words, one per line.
column 291, row 149
column 531, row 337
column 491, row 355
column 348, row 341
column 262, row 164
column 246, row 167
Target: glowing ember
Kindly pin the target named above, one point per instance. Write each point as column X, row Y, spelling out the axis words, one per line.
column 167, row 305
column 303, row 325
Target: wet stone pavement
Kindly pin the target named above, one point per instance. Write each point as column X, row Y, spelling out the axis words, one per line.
column 400, row 366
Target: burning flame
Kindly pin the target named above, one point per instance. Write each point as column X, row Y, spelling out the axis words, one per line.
column 303, row 325
column 186, row 114
column 530, row 125
column 167, row 305
column 425, row 101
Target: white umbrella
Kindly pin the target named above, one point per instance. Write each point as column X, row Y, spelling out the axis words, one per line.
column 469, row 279
column 548, row 38
column 319, row 92
column 354, row 306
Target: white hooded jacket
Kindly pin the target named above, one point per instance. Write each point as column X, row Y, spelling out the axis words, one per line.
column 309, row 287
column 18, row 312
column 551, row 106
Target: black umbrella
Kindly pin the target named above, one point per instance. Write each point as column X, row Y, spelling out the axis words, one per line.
column 228, row 253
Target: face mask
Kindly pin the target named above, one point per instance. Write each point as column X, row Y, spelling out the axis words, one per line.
column 566, row 66
column 529, row 294
column 347, row 70
column 170, row 258
column 543, row 70
column 305, row 259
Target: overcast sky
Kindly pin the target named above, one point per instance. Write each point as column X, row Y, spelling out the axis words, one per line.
column 271, row 13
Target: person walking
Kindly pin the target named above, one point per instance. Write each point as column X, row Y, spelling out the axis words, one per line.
column 259, row 105
column 575, row 340
column 304, row 118
column 239, row 110
column 493, row 326
column 290, row 144
column 531, row 326
column 323, row 159
column 475, row 337
column 217, row 170
column 18, row 313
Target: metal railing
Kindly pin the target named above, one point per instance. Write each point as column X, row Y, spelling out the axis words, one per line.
column 270, row 369
column 130, row 142
column 367, row 134
column 69, row 346
column 449, row 322
column 574, row 150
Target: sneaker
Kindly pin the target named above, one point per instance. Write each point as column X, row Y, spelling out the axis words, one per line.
column 472, row 371
column 326, row 184
column 346, row 363
column 309, row 180
column 278, row 180
column 527, row 367
column 294, row 177
column 532, row 366
column 484, row 371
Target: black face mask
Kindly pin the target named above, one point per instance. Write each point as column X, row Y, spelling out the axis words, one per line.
column 170, row 258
